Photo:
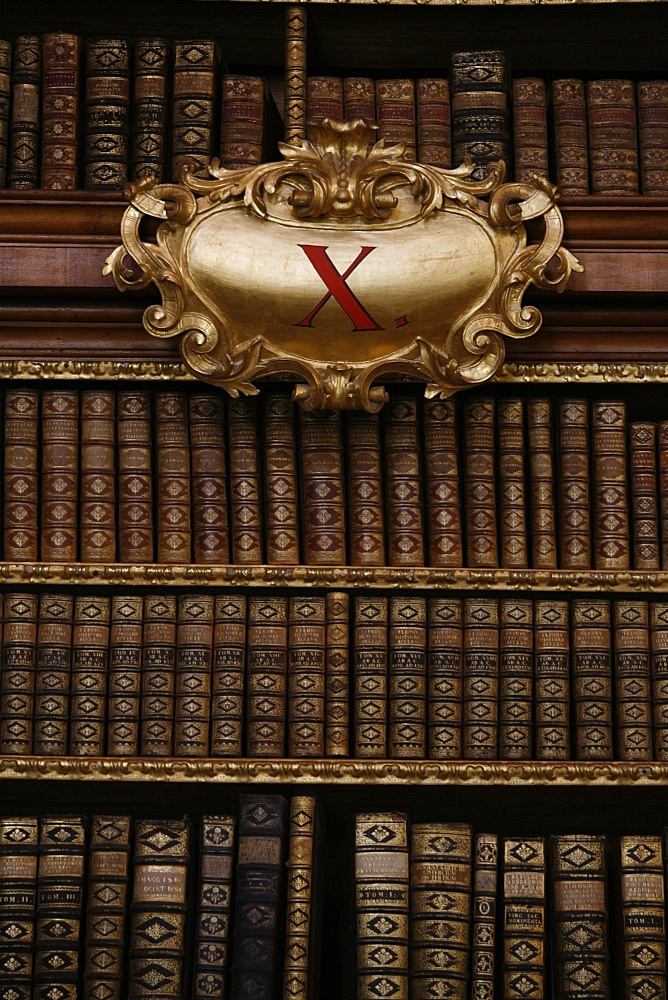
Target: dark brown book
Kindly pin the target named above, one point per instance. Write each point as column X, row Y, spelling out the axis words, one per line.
column 643, row 916
column 652, row 97
column 52, row 674
column 159, row 909
column 228, row 671
column 300, row 964
column 245, row 488
column 403, row 483
column 24, row 128
column 280, row 480
column 125, row 675
column 106, row 114
column 483, row 930
column 445, row 660
column 662, row 461
column 324, row 99
column 194, row 107
column 513, row 501
column 148, row 145
column 211, row 535
column 88, row 686
column 364, row 471
column 173, row 511
column 574, row 485
column 370, row 645
column 611, row 495
column 613, row 137
column 5, row 104
column 542, row 485
column 108, row 902
column 592, row 679
column 194, row 652
column 407, row 678
column 19, row 844
column 441, row 466
column 306, row 676
column 479, row 82
column 158, row 676
column 21, row 475
column 214, row 903
column 323, row 489
column 571, row 145
column 60, row 111
column 266, row 677
column 658, row 636
column 135, row 477
column 60, row 465
column 633, row 695
column 530, row 128
column 294, row 110
column 249, row 127
column 644, row 496
column 524, row 917
column 551, row 680
column 481, row 679
column 17, row 673
column 97, row 510
column 337, row 673
column 432, row 113
column 479, row 483
column 515, row 679
column 395, row 114
column 359, row 98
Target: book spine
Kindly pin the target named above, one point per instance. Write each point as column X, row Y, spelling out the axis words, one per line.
column 19, row 842
column 395, row 111
column 172, row 478
column 366, row 527
column 60, row 111
column 306, row 676
column 52, row 674
column 194, row 650
column 125, row 674
column 405, row 541
column 60, row 460
column 324, row 99
column 551, row 680
column 194, row 91
column 530, row 128
column 295, row 73
column 158, row 676
column 652, row 97
column 479, row 479
column 370, row 643
column 97, row 528
column 483, row 931
column 60, row 895
column 337, row 673
column 613, row 137
column 211, row 536
column 512, row 494
column 323, row 490
column 515, row 679
column 480, row 122
column 359, row 98
column 440, row 909
column 88, row 688
column 574, row 477
column 107, row 114
column 214, row 902
column 280, row 480
column 644, row 498
column 524, row 923
column 5, row 104
column 135, row 477
column 592, row 679
column 266, row 681
column 158, row 909
column 658, row 637
column 107, row 907
column 433, row 124
column 571, row 144
column 611, row 500
column 228, row 673
column 445, row 658
column 481, row 678
column 242, row 120
column 17, row 674
column 407, row 676
column 643, row 914
column 148, row 146
column 662, row 449
column 24, row 129
column 245, row 489
column 20, row 475
column 441, row 463
column 299, row 969
column 633, row 692
column 259, row 896
column 541, row 480
column 382, row 904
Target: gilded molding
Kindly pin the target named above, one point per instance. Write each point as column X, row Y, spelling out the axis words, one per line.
column 583, row 371
column 152, row 371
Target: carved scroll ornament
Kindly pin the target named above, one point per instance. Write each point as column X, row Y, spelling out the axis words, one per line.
column 340, row 265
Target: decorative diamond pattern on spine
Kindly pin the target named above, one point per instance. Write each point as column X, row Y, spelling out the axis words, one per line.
column 445, row 660
column 20, row 475
column 158, row 675
column 24, row 128
column 524, row 924
column 211, row 537
column 212, row 929
column 516, row 679
column 194, row 649
column 592, row 679
column 337, row 673
column 306, row 676
column 53, row 671
column 108, row 904
column 90, row 663
column 481, row 678
column 17, row 674
column 228, row 673
column 281, row 484
column 135, row 478
column 632, row 680
column 366, row 528
column 370, row 644
column 19, row 842
column 266, row 683
column 441, row 463
column 407, row 710
column 403, row 483
column 125, row 675
column 107, row 114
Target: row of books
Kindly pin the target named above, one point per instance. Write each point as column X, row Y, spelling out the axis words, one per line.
column 105, row 909
column 132, row 476
column 314, row 676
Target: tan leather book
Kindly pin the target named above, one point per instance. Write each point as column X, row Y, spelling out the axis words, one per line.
column 483, row 929
column 364, row 470
column 300, row 963
column 17, row 673
column 61, row 56
column 441, row 465
column 158, row 675
column 89, row 678
column 173, row 513
column 24, row 127
column 574, row 484
column 433, row 125
column 592, row 679
column 228, row 674
column 552, row 680
column 245, row 483
column 294, row 109
column 445, row 660
column 250, row 123
column 643, row 913
column 542, row 484
column 337, row 673
column 106, row 114
column 135, row 477
column 194, row 651
column 194, row 107
column 125, row 675
column 323, row 489
column 5, row 105
column 658, row 637
column 214, row 903
column 613, row 137
column 324, row 99
column 370, row 671
column 266, row 676
column 644, row 496
column 652, row 97
column 149, row 139
column 571, row 144
column 52, row 674
column 515, row 679
column 481, row 679
column 610, row 485
column 395, row 114
column 513, row 500
column 306, row 676
column 97, row 511
column 407, row 678
column 20, row 475
column 208, row 461
column 479, row 483
column 524, row 917
column 403, row 483
column 19, row 844
column 60, row 473
column 280, row 480
column 530, row 128
column 107, row 907
column 633, row 688
column 359, row 98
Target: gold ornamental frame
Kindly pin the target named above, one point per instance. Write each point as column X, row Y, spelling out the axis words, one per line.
column 340, row 265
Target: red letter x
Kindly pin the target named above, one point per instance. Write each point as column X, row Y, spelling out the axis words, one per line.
column 336, row 286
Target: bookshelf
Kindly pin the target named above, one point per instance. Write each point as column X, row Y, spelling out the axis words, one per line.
column 64, row 325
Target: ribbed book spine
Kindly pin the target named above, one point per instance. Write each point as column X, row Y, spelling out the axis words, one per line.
column 60, row 111
column 644, row 498
column 60, row 464
column 20, row 475
column 19, row 842
column 445, row 658
column 432, row 113
column 658, row 636
column 541, row 484
column 228, row 675
column 242, row 120
column 370, row 644
column 366, row 517
column 158, row 676
column 245, row 489
column 613, row 137
column 158, row 909
column 515, row 679
column 382, row 903
column 52, row 674
column 592, row 679
column 97, row 529
column 337, row 673
column 441, row 466
column 652, row 97
column 108, row 903
column 324, row 99
column 299, row 965
column 512, row 493
column 662, row 448
column 630, row 620
column 643, row 915
column 172, row 478
column 551, row 680
column 135, row 477
column 5, row 103
column 440, row 909
column 17, row 673
column 481, row 679
column 480, row 121
column 194, row 650
column 359, row 98
column 479, row 483
column 395, row 113
column 60, row 896
column 407, row 708
column 194, row 87
column 266, row 679
column 611, row 500
column 125, row 675
column 530, row 128
column 148, row 144
column 306, row 676
column 211, row 537
column 323, row 489
column 295, row 73
column 214, row 903
column 571, row 144
column 107, row 114
column 90, row 662
column 483, row 930
column 403, row 483
column 524, row 918
column 280, row 480
column 575, row 480
column 24, row 129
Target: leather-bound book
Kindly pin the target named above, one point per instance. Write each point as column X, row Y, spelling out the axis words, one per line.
column 60, row 111
column 17, row 673
column 295, row 73
column 250, row 123
column 300, row 968
column 395, row 114
column 479, row 483
column 513, row 501
column 633, row 686
column 20, row 475
column 644, row 496
column 515, row 678
column 445, row 659
column 228, row 674
column 60, row 466
column 173, row 514
column 611, row 495
column 5, row 104
column 280, row 480
column 592, row 679
column 551, row 680
column 364, row 470
column 108, row 904
column 107, row 114
column 662, row 461
column 652, row 97
column 125, row 675
column 541, row 484
column 382, row 904
column 211, row 535
column 337, row 673
column 643, row 915
column 259, row 897
column 323, row 489
column 19, row 844
column 306, row 676
column 440, row 909
column 214, row 903
column 60, row 898
column 407, row 678
column 481, row 678
column 135, row 477
column 441, row 466
column 266, row 676
column 530, row 128
column 574, row 485
column 432, row 113
column 194, row 652
column 403, row 483
column 658, row 637
column 24, row 128
column 245, row 488
column 149, row 140
column 524, row 917
column 90, row 664
column 52, row 674
column 483, row 929
column 324, row 99
column 97, row 528
column 159, row 908
column 370, row 639
column 195, row 115
column 479, row 82
column 613, row 137
column 359, row 98
column 571, row 144
column 158, row 675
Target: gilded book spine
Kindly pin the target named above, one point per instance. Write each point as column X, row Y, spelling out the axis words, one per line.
column 135, row 477
column 158, row 675
column 107, row 114
column 613, row 137
column 479, row 483
column 445, row 657
column 266, row 681
column 359, row 98
column 19, row 842
column 125, row 672
column 148, row 150
column 107, row 907
column 395, row 110
column 371, row 677
column 611, row 500
column 194, row 649
column 242, row 120
column 281, row 481
column 97, row 528
column 483, row 931
column 658, row 634
column 592, row 679
column 90, row 662
column 228, row 673
column 60, row 111
column 17, row 673
column 530, row 128
column 652, row 98
column 20, row 475
column 481, row 678
column 405, row 541
column 337, row 673
column 643, row 915
column 633, row 704
column 212, row 929
column 323, row 490
column 211, row 541
column 480, row 126
column 172, row 478
column 295, row 73
column 299, row 965
column 541, row 480
column 245, row 489
column 644, row 498
column 194, row 86
column 512, row 494
column 432, row 113
column 551, row 681
column 5, row 103
column 306, row 676
column 366, row 528
column 324, row 99
column 52, row 674
column 442, row 483
column 575, row 492
column 60, row 460
column 571, row 144
column 662, row 448
column 524, row 923
column 24, row 129
column 407, row 676
column 515, row 679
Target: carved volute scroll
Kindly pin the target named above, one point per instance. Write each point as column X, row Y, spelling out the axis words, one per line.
column 340, row 265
